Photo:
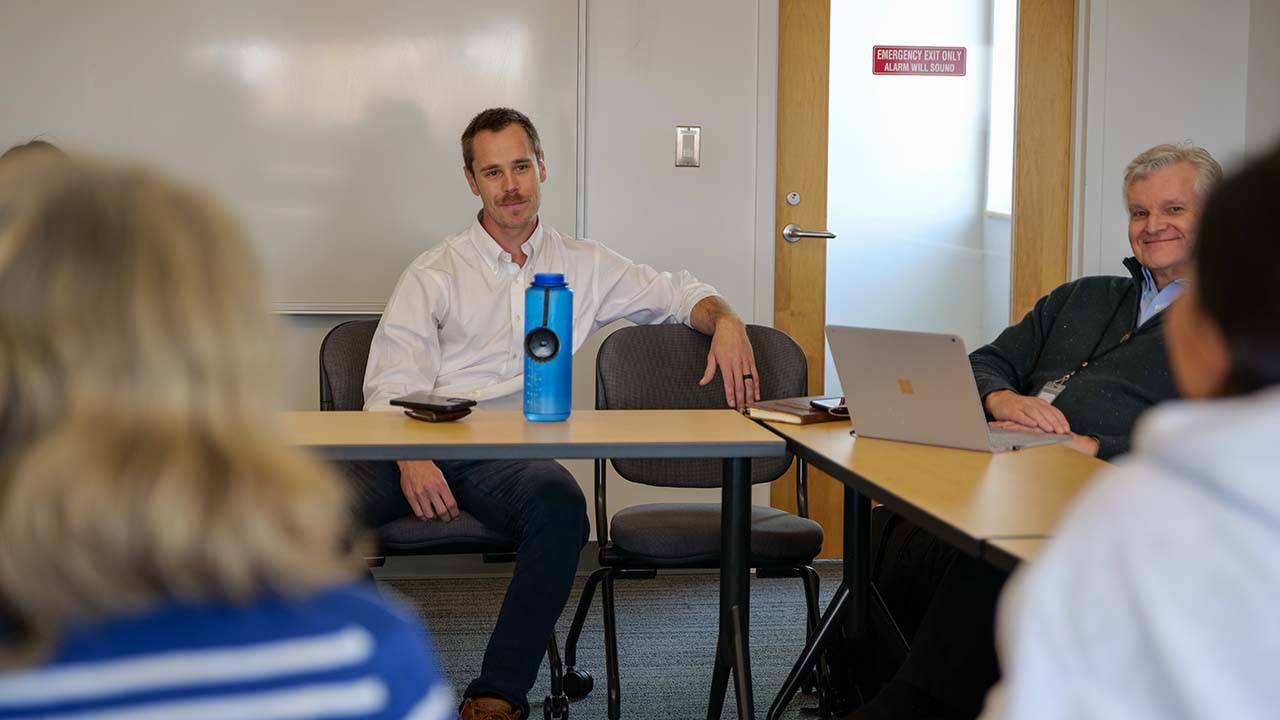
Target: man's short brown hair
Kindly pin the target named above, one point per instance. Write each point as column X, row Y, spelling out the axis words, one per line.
column 494, row 120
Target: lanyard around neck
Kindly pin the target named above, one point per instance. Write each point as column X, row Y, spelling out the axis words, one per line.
column 1094, row 355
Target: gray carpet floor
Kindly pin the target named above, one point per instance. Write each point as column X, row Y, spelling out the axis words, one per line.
column 666, row 638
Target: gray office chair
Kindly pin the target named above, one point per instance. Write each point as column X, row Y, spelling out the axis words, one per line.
column 344, row 352
column 658, row 367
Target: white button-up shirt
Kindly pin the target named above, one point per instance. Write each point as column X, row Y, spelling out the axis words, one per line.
column 455, row 322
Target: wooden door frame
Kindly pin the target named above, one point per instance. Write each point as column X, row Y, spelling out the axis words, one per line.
column 1042, row 153
column 1041, row 188
column 804, row 43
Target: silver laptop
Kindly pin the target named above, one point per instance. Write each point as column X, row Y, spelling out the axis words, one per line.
column 918, row 387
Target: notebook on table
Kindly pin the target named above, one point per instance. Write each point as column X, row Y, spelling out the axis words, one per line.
column 795, row 410
column 918, row 387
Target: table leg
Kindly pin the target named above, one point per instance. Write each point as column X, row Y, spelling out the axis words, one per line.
column 850, row 604
column 735, row 560
column 857, row 561
column 719, row 678
column 828, row 629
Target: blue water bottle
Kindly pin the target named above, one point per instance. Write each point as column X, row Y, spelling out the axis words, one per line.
column 548, row 348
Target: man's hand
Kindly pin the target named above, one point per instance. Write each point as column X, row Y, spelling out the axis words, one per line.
column 426, row 490
column 1086, row 444
column 1032, row 412
column 731, row 352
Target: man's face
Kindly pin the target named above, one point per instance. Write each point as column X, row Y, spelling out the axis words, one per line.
column 1164, row 210
column 507, row 177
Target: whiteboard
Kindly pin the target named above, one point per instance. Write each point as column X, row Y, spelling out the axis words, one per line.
column 330, row 129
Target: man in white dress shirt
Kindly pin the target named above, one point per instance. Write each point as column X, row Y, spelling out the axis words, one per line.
column 454, row 326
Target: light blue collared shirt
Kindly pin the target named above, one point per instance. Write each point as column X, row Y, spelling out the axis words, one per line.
column 1154, row 301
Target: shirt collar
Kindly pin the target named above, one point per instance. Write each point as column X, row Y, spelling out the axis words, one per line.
column 1149, row 283
column 492, row 253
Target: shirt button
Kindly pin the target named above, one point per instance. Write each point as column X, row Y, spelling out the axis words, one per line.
column 514, row 356
column 517, row 317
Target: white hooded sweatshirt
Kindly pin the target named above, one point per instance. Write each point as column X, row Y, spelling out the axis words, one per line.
column 1159, row 597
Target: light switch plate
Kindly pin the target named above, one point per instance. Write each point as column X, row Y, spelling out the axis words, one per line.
column 688, row 146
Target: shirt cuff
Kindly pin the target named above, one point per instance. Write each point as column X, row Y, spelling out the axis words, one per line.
column 693, row 296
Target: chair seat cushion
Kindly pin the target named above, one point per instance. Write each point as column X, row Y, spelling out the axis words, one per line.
column 466, row 534
column 690, row 532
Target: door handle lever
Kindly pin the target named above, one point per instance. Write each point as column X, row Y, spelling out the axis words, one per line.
column 792, row 233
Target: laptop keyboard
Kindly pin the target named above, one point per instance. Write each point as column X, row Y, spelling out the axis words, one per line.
column 1002, row 439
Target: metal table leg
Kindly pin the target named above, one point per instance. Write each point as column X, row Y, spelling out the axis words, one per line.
column 828, row 629
column 735, row 556
column 850, row 604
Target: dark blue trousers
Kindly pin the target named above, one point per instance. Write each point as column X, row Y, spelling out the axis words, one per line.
column 537, row 503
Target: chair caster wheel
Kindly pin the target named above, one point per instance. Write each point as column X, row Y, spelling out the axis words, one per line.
column 556, row 707
column 577, row 683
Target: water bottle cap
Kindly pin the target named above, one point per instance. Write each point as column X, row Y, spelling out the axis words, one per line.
column 549, row 280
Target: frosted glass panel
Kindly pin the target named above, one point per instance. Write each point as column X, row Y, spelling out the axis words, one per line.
column 907, row 178
column 1004, row 65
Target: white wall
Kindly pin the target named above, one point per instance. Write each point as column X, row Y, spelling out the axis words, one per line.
column 300, row 337
column 1159, row 71
column 652, row 65
column 1262, row 108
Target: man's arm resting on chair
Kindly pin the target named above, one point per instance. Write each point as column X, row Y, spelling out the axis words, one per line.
column 730, row 350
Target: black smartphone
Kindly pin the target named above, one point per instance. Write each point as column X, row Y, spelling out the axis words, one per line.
column 833, row 405
column 435, row 403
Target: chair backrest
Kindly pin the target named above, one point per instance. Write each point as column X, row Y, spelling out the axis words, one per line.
column 343, row 356
column 658, row 367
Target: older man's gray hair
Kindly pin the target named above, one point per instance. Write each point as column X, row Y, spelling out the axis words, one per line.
column 1208, row 171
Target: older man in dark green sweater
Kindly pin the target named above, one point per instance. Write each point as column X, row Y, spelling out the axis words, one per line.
column 1089, row 330
column 1088, row 359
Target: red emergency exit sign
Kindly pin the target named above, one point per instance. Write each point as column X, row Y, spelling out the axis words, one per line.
column 917, row 60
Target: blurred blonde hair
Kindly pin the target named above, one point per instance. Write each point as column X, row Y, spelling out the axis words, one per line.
column 138, row 458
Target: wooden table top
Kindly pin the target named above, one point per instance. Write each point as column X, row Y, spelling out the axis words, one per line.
column 975, row 495
column 506, row 434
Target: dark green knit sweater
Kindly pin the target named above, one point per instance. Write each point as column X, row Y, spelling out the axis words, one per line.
column 1104, row 399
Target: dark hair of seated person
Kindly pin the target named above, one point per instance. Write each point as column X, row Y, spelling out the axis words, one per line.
column 1236, row 257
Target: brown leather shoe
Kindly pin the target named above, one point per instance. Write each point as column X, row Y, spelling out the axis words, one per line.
column 483, row 708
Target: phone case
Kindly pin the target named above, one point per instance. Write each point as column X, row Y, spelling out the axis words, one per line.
column 435, row 416
column 432, row 403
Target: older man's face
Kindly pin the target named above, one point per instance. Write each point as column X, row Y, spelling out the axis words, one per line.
column 1164, row 211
